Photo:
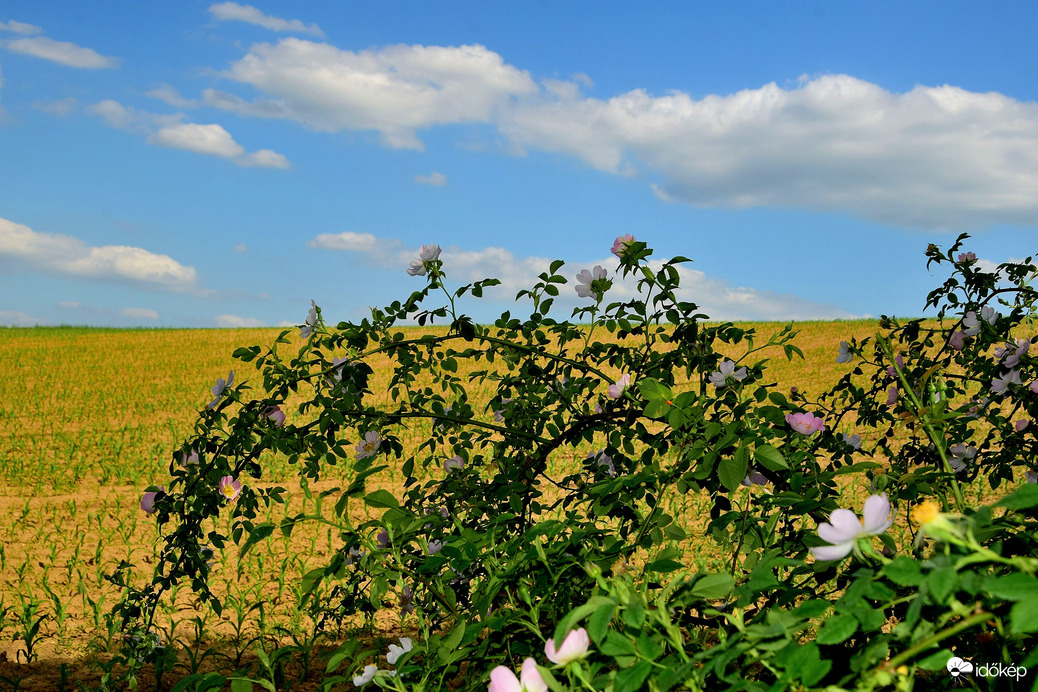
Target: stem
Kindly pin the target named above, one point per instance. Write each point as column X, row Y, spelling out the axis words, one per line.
column 933, row 639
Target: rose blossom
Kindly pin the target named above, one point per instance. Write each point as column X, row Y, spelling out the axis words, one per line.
column 843, row 528
column 230, row 488
column 529, row 680
column 805, row 423
column 574, row 647
column 621, row 244
column 369, row 446
column 148, row 500
column 592, row 282
column 725, row 370
column 845, row 355
column 616, row 389
column 220, row 388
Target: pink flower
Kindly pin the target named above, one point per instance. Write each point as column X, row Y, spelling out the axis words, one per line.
column 967, row 258
column 852, row 441
column 455, row 462
column 892, row 394
column 187, row 459
column 369, row 445
column 727, row 369
column 1022, row 424
column 1031, row 476
column 603, row 461
column 754, row 478
column 220, row 388
column 407, row 600
column 961, row 456
column 1013, row 352
column 958, row 340
column 805, row 423
column 148, row 500
column 621, row 244
column 230, row 488
column 616, row 389
column 592, row 283
column 499, row 414
column 843, row 528
column 529, row 680
column 1034, row 387
column 900, row 366
column 275, row 415
column 574, row 647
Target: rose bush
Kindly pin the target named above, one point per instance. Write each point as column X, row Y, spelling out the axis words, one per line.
column 494, row 558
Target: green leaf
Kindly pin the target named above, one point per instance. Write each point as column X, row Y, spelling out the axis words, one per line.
column 1012, row 587
column 241, row 685
column 713, row 586
column 258, row 533
column 381, row 498
column 812, row 609
column 1024, row 615
column 663, row 566
column 617, row 645
column 649, row 647
column 654, row 389
column 836, row 629
column 454, row 638
column 941, row 581
column 904, row 571
column 631, row 679
column 598, row 624
column 770, row 458
column 732, row 470
column 1024, row 498
column 936, row 661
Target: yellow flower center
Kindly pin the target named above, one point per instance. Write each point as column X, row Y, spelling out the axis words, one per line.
column 228, row 490
column 925, row 512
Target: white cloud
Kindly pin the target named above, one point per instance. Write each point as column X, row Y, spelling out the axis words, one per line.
column 203, row 139
column 139, row 313
column 22, row 28
column 233, row 321
column 14, row 318
column 69, row 304
column 387, row 252
column 936, row 157
column 61, row 52
column 172, row 97
column 60, row 107
column 395, row 90
column 169, row 131
column 717, row 298
column 64, row 254
column 232, row 11
column 434, row 179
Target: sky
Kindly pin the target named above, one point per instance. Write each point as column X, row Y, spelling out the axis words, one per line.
column 199, row 164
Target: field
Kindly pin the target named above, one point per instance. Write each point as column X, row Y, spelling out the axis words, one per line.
column 89, row 418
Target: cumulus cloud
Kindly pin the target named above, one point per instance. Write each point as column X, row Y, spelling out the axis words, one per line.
column 139, row 313
column 169, row 95
column 22, row 28
column 935, row 157
column 61, row 52
column 170, row 131
column 234, row 321
column 232, row 11
column 62, row 254
column 59, row 107
column 717, row 298
column 434, row 179
column 395, row 90
column 15, row 318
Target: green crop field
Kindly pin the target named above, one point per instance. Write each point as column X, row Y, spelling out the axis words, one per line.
column 90, row 417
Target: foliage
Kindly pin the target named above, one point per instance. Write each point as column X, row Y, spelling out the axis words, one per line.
column 487, row 551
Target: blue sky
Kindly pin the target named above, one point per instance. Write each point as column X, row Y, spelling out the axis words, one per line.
column 206, row 164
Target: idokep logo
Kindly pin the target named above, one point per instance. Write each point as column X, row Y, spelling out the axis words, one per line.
column 961, row 670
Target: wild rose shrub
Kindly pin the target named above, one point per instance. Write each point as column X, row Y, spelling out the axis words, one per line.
column 512, row 578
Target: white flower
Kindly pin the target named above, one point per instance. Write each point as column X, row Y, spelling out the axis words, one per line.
column 499, row 414
column 727, row 369
column 961, row 456
column 396, row 652
column 971, row 324
column 354, row 555
column 338, row 365
column 845, row 355
column 843, row 528
column 365, row 677
column 455, row 462
column 417, row 268
column 1031, row 476
column 186, row 458
column 1013, row 352
column 311, row 320
column 220, row 388
column 604, row 461
column 853, row 441
column 369, row 447
column 434, row 547
column 428, row 253
column 1000, row 385
column 592, row 282
column 989, row 315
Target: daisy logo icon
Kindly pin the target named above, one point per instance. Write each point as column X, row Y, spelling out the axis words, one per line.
column 959, row 668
